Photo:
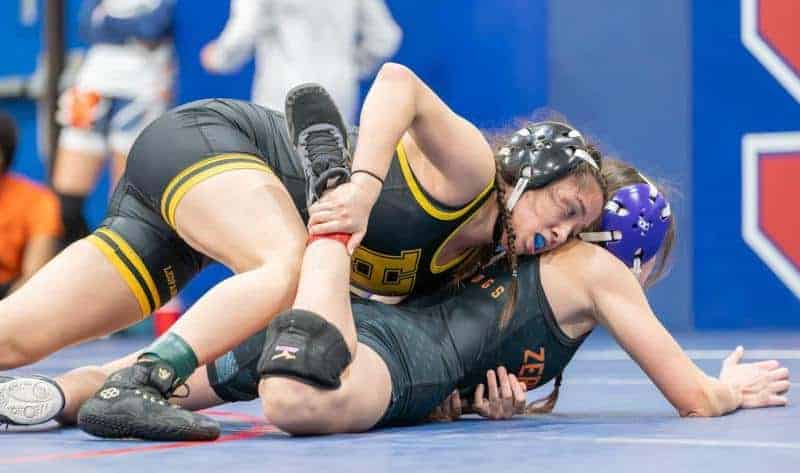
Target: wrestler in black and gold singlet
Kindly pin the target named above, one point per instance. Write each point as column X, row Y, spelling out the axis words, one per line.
column 201, row 139
column 445, row 341
column 406, row 233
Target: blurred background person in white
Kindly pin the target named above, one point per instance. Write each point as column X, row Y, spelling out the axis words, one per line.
column 124, row 83
column 334, row 43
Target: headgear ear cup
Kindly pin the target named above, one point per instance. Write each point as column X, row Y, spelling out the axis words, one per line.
column 635, row 221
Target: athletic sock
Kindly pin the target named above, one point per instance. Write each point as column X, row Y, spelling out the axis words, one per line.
column 173, row 350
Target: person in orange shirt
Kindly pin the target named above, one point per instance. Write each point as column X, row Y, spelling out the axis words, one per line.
column 30, row 221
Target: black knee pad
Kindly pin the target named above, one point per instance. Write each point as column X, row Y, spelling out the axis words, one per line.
column 304, row 346
column 75, row 226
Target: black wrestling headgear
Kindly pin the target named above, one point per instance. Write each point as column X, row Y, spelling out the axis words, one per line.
column 539, row 154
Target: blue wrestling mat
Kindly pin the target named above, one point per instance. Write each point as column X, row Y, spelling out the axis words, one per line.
column 610, row 418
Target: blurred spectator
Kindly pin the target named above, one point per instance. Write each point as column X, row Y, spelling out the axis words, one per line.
column 334, row 43
column 124, row 83
column 29, row 218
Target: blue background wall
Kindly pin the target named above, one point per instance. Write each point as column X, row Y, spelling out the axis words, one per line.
column 666, row 85
column 19, row 60
column 623, row 75
column 733, row 94
column 488, row 65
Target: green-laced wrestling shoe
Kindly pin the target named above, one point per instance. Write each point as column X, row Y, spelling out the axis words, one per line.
column 133, row 403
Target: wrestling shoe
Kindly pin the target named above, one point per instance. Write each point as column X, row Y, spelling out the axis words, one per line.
column 319, row 137
column 29, row 400
column 133, row 403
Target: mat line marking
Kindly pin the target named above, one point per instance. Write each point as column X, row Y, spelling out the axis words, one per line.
column 693, row 442
column 588, row 355
column 618, row 381
column 750, row 354
column 258, row 429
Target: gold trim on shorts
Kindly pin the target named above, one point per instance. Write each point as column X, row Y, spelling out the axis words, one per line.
column 199, row 172
column 130, row 267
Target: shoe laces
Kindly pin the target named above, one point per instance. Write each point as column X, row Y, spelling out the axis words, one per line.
column 323, row 146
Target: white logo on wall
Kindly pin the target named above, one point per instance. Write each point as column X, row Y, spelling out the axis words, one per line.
column 770, row 195
column 770, row 33
column 771, row 161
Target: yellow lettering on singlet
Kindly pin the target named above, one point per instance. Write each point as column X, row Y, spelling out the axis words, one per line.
column 386, row 275
column 172, row 283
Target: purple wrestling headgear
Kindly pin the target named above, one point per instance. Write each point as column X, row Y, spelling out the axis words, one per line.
column 635, row 220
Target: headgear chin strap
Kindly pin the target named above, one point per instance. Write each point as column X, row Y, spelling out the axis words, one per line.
column 635, row 221
column 540, row 154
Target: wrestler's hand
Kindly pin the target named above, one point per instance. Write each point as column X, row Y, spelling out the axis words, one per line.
column 760, row 384
column 449, row 411
column 345, row 209
column 506, row 397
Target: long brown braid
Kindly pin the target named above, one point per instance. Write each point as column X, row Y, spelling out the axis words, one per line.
column 480, row 257
column 511, row 253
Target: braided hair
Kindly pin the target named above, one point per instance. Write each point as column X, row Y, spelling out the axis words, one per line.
column 504, row 222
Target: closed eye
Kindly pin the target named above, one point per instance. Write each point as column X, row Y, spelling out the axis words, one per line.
column 568, row 209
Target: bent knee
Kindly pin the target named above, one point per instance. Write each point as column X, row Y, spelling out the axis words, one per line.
column 287, row 260
column 279, row 276
column 298, row 408
column 288, row 256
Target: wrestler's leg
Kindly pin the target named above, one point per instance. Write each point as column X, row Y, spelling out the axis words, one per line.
column 80, row 384
column 356, row 406
column 246, row 220
column 324, row 286
column 301, row 408
column 77, row 296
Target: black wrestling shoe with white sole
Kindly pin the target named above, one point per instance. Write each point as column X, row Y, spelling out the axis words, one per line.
column 29, row 400
column 133, row 403
column 320, row 138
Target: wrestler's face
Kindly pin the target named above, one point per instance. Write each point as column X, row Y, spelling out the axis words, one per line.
column 545, row 218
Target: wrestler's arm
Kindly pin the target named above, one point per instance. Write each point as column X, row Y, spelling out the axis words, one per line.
column 399, row 101
column 621, row 306
column 43, row 226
